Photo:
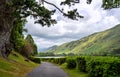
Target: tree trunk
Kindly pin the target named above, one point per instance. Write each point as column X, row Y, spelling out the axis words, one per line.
column 6, row 25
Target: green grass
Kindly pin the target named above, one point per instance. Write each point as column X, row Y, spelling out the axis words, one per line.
column 6, row 68
column 21, row 59
column 73, row 72
column 16, row 66
column 5, row 74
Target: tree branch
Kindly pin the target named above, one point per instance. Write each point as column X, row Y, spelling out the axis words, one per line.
column 73, row 14
column 54, row 6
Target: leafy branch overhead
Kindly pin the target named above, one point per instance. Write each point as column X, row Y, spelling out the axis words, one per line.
column 42, row 15
column 73, row 14
column 25, row 8
column 109, row 4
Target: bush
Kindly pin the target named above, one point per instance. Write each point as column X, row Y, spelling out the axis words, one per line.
column 104, row 67
column 55, row 60
column 81, row 64
column 71, row 63
column 50, row 59
column 94, row 69
column 59, row 60
column 62, row 60
column 36, row 60
column 95, row 66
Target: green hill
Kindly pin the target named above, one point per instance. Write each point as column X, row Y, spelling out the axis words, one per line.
column 101, row 43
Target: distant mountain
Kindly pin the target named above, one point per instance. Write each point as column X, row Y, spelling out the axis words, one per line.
column 42, row 49
column 101, row 43
column 46, row 49
column 53, row 47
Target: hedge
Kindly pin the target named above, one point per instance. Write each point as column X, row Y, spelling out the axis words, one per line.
column 95, row 66
column 59, row 60
column 71, row 63
column 36, row 60
column 104, row 67
column 81, row 64
column 55, row 60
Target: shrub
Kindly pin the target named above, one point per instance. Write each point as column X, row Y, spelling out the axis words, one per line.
column 71, row 63
column 36, row 60
column 112, row 69
column 59, row 60
column 104, row 67
column 55, row 60
column 50, row 59
column 94, row 69
column 81, row 64
column 62, row 60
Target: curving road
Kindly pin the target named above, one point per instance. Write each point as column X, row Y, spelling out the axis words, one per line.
column 47, row 70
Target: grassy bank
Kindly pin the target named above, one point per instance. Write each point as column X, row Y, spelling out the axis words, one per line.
column 17, row 66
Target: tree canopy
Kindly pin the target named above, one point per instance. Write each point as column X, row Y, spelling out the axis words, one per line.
column 109, row 4
column 25, row 8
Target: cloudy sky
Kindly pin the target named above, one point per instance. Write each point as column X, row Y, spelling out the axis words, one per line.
column 95, row 19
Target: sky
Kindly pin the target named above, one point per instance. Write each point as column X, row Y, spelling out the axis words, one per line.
column 95, row 19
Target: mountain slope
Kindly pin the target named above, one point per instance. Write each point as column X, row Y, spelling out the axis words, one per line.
column 101, row 43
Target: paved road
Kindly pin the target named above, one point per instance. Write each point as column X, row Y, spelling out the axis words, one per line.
column 47, row 70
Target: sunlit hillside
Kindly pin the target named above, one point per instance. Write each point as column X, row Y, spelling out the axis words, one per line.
column 101, row 43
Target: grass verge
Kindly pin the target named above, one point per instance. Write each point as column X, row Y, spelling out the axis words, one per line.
column 17, row 66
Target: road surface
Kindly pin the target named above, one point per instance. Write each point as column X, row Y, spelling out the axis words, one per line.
column 47, row 70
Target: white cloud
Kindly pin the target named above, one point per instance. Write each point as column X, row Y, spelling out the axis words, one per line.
column 96, row 19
